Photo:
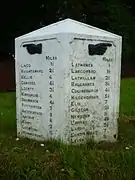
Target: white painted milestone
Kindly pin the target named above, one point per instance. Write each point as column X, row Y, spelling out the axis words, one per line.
column 68, row 83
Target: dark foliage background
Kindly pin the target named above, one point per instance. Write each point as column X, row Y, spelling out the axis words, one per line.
column 117, row 16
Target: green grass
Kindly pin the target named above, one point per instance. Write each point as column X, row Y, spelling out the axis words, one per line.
column 27, row 160
column 127, row 97
column 7, row 113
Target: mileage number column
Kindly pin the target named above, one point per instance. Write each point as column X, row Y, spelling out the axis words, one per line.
column 51, row 71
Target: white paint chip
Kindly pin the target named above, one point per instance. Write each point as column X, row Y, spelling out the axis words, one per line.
column 127, row 148
column 62, row 170
column 47, row 151
column 42, row 145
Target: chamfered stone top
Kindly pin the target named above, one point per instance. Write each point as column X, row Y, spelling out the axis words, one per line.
column 69, row 26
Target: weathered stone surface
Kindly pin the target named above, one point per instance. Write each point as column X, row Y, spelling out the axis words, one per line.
column 68, row 83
